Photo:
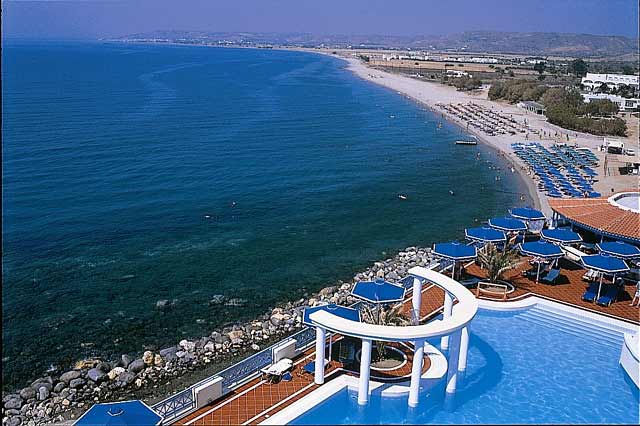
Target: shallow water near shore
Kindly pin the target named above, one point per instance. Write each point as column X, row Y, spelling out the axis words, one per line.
column 136, row 173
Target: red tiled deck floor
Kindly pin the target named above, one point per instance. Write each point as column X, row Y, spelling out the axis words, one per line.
column 569, row 289
column 255, row 401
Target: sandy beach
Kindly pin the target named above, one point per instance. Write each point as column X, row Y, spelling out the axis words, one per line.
column 430, row 94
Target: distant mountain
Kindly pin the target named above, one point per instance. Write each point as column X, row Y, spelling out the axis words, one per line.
column 536, row 44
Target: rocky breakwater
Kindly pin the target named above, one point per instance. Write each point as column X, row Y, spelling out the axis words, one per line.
column 57, row 398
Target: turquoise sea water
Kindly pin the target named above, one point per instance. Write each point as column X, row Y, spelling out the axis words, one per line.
column 113, row 156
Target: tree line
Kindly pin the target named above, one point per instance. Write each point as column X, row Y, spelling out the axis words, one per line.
column 564, row 107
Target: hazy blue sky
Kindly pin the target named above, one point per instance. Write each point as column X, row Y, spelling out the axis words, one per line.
column 100, row 18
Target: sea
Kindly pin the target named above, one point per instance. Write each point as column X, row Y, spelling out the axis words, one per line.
column 135, row 174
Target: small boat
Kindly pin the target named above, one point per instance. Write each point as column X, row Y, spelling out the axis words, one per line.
column 463, row 142
column 402, row 196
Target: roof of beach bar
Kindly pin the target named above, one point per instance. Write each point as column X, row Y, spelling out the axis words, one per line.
column 603, row 216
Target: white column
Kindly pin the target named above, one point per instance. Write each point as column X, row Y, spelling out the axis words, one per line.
column 319, row 367
column 452, row 367
column 448, row 308
column 464, row 348
column 416, row 372
column 416, row 300
column 365, row 367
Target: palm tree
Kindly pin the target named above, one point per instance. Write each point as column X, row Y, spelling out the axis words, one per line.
column 384, row 316
column 496, row 262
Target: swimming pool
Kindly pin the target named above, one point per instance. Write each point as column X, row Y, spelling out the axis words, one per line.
column 530, row 366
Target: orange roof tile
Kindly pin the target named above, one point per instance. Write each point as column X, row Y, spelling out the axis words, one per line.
column 600, row 215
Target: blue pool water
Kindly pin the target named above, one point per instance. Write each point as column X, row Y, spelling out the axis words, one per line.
column 520, row 370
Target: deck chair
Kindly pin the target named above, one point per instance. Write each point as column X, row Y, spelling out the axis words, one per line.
column 274, row 372
column 311, row 367
column 591, row 293
column 551, row 276
column 590, row 275
column 610, row 295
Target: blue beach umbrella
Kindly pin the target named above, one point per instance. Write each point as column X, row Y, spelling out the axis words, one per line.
column 619, row 249
column 604, row 264
column 455, row 251
column 125, row 413
column 527, row 213
column 485, row 234
column 507, row 224
column 378, row 291
column 341, row 311
column 541, row 250
column 562, row 236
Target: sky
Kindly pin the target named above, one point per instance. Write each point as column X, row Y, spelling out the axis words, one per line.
column 91, row 19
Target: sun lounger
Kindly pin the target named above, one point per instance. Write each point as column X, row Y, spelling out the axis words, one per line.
column 551, row 277
column 590, row 275
column 591, row 294
column 274, row 372
column 610, row 295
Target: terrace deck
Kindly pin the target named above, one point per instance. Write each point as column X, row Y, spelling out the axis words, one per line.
column 255, row 401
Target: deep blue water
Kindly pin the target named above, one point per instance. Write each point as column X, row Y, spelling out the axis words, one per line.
column 114, row 154
column 518, row 372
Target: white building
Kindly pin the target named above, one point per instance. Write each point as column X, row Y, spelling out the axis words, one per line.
column 624, row 104
column 592, row 81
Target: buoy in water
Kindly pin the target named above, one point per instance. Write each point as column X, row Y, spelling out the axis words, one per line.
column 451, row 192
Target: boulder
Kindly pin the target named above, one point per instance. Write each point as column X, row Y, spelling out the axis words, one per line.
column 327, row 291
column 59, row 386
column 69, row 375
column 13, row 421
column 43, row 393
column 157, row 360
column 86, row 363
column 113, row 374
column 187, row 345
column 147, row 357
column 136, row 366
column 105, row 367
column 13, row 402
column 28, row 393
column 96, row 375
column 126, row 378
column 125, row 360
column 236, row 334
column 76, row 383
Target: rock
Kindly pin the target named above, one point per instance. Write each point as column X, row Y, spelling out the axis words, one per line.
column 125, row 360
column 217, row 299
column 393, row 276
column 28, row 393
column 380, row 273
column 210, row 347
column 13, row 421
column 147, row 357
column 157, row 360
column 167, row 351
column 96, row 375
column 43, row 393
column 65, row 402
column 136, row 366
column 236, row 334
column 69, row 375
column 105, row 367
column 255, row 347
column 113, row 374
column 276, row 319
column 13, row 402
column 126, row 378
column 327, row 291
column 312, row 301
column 76, row 383
column 59, row 386
column 187, row 345
column 86, row 363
